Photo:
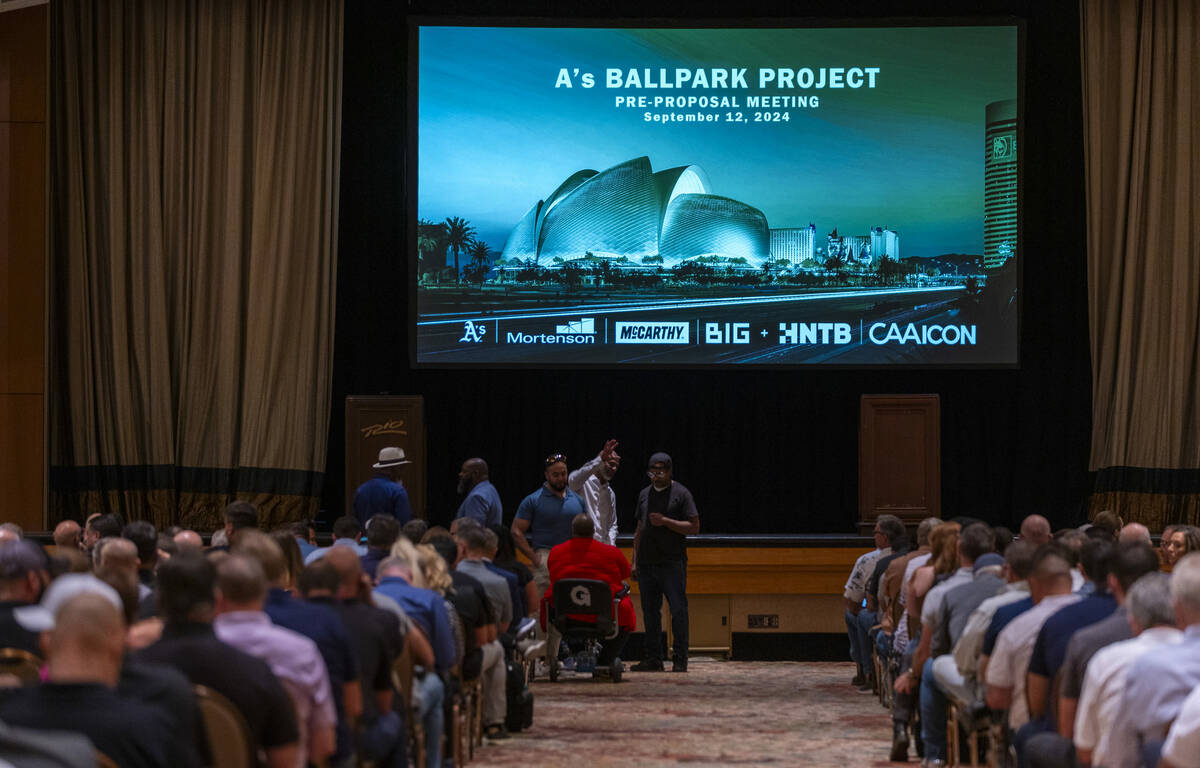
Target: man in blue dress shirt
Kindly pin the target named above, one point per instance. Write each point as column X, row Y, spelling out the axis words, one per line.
column 483, row 501
column 384, row 494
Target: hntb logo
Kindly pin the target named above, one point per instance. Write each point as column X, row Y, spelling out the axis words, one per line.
column 473, row 332
column 584, row 325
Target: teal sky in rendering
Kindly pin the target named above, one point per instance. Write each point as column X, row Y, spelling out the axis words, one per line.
column 496, row 135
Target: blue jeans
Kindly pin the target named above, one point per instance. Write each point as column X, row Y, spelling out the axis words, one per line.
column 655, row 582
column 429, row 692
column 933, row 714
column 862, row 624
column 852, row 632
column 385, row 741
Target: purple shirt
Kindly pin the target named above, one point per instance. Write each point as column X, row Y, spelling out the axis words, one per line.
column 293, row 658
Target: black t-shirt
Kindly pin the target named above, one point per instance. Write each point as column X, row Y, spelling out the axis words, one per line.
column 130, row 732
column 245, row 680
column 471, row 604
column 659, row 544
column 375, row 651
column 12, row 634
column 167, row 690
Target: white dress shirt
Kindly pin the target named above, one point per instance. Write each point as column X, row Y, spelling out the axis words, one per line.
column 598, row 499
column 1103, row 687
column 1009, row 661
column 1183, row 741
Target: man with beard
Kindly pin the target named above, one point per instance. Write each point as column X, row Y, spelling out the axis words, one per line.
column 544, row 518
column 483, row 501
column 666, row 515
column 591, row 482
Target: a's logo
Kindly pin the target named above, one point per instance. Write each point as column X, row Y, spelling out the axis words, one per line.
column 581, row 596
column 651, row 333
column 392, row 427
column 582, row 325
column 473, row 332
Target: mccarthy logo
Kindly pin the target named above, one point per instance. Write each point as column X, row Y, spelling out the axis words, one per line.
column 473, row 332
column 392, row 427
column 651, row 333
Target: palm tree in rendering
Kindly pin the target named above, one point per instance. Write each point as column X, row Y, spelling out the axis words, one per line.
column 480, row 261
column 428, row 236
column 458, row 237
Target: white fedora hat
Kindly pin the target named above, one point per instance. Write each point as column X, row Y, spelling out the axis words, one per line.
column 391, row 457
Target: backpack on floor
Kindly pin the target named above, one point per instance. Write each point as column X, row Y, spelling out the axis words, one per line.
column 520, row 699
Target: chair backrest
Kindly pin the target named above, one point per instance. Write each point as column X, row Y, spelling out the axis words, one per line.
column 402, row 675
column 19, row 667
column 229, row 742
column 582, row 596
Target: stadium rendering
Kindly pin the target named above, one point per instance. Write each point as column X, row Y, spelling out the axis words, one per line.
column 634, row 215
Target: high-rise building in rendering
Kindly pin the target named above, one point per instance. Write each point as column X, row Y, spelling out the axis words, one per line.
column 884, row 242
column 794, row 244
column 1000, row 184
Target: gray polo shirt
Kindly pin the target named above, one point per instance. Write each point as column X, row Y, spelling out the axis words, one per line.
column 495, row 586
column 957, row 606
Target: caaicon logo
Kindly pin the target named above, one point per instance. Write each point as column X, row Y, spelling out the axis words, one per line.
column 581, row 596
column 473, row 332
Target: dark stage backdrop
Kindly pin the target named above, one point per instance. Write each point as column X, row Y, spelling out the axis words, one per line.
column 763, row 451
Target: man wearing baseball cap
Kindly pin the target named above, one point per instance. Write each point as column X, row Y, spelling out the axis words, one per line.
column 666, row 515
column 384, row 494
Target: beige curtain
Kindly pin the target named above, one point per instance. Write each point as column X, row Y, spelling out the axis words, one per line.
column 1141, row 101
column 194, row 179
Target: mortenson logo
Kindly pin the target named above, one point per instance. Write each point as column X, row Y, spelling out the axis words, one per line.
column 651, row 333
column 581, row 331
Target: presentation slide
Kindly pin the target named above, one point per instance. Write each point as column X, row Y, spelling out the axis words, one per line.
column 714, row 197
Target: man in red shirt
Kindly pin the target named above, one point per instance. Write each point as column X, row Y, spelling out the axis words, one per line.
column 582, row 557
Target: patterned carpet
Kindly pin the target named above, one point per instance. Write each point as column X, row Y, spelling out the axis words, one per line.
column 720, row 713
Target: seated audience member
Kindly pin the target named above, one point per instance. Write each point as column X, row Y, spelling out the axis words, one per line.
column 415, row 530
column 161, row 687
column 22, row 578
column 1182, row 748
column 516, row 595
column 1179, row 540
column 1072, row 541
column 868, row 616
column 1157, row 683
column 428, row 612
column 1152, row 622
column 1134, row 532
column 473, row 544
column 855, row 594
column 1050, row 647
column 306, row 537
column 583, row 557
column 1008, row 662
column 382, row 532
column 958, row 607
column 107, row 526
column 1003, row 537
column 316, row 622
column 67, row 535
column 187, row 599
column 84, row 646
column 185, row 540
column 10, row 532
column 293, row 658
column 292, row 561
column 239, row 516
column 1109, row 522
column 1130, row 562
column 119, row 555
column 1036, row 530
column 470, row 603
column 1018, row 562
column 506, row 558
column 978, row 541
column 891, row 606
column 145, row 537
column 375, row 647
column 346, row 532
column 26, row 747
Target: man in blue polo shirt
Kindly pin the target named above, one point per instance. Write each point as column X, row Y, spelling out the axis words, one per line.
column 384, row 494
column 544, row 518
column 483, row 500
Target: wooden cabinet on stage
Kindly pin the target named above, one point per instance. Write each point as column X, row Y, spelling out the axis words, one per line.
column 379, row 421
column 899, row 458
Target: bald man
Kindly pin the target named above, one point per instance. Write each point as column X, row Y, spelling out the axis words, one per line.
column 83, row 650
column 188, row 540
column 1036, row 530
column 66, row 534
column 1134, row 532
column 483, row 500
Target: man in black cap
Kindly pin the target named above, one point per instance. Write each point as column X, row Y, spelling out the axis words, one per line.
column 666, row 515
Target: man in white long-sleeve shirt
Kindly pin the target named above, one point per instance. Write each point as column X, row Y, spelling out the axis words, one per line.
column 591, row 482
